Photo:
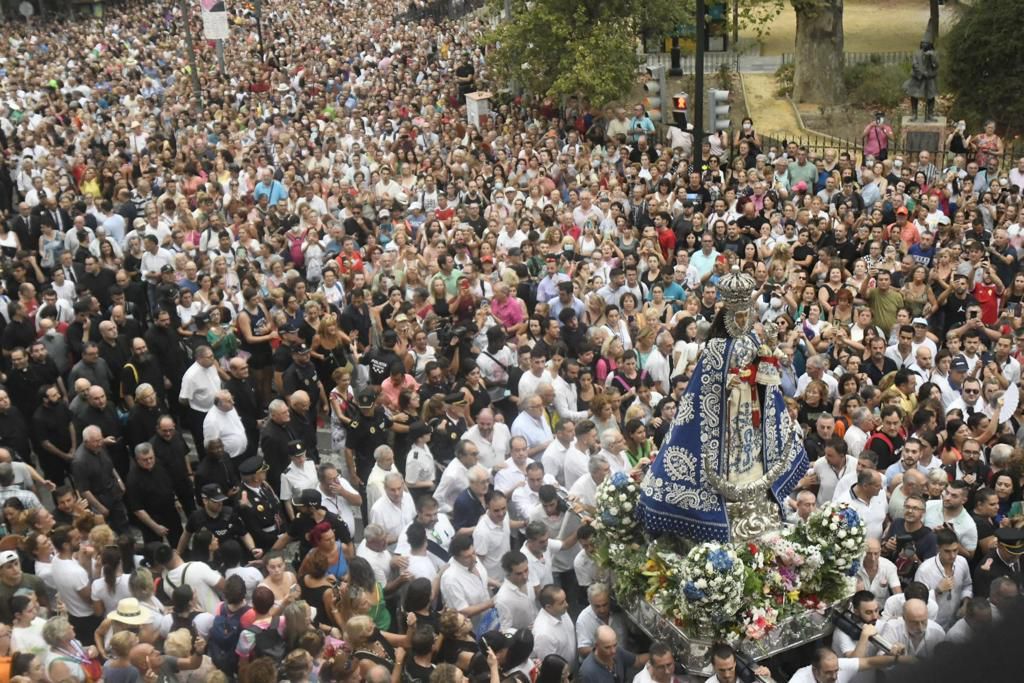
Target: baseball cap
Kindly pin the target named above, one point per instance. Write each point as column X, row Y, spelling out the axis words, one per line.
column 959, row 365
column 310, row 497
column 213, row 492
column 902, row 211
column 920, row 321
column 8, row 556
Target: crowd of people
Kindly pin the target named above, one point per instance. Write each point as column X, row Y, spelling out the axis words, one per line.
column 308, row 379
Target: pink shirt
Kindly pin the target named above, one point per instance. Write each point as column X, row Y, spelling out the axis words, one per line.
column 509, row 313
column 389, row 391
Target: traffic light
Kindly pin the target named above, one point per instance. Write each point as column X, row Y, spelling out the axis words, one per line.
column 680, row 101
column 655, row 88
column 716, row 111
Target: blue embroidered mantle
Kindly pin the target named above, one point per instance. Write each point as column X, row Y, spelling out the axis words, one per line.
column 676, row 495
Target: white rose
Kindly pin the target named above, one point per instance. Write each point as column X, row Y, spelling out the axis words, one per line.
column 842, row 533
column 701, row 584
column 613, row 510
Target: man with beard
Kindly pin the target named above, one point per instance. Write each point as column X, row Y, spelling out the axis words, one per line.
column 143, row 367
column 101, row 413
column 866, row 612
column 55, row 438
column 172, row 451
column 115, row 350
column 92, row 367
column 72, row 578
column 243, row 390
column 162, row 339
column 141, row 424
column 45, row 367
column 150, row 500
column 217, row 468
column 96, row 479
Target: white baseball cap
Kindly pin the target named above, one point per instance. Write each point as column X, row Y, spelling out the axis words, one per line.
column 8, row 556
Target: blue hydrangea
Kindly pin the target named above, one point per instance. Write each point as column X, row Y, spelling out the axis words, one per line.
column 850, row 517
column 720, row 560
column 619, row 479
column 692, row 593
column 608, row 518
column 854, row 568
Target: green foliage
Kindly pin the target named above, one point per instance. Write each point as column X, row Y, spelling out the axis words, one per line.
column 874, row 85
column 577, row 47
column 981, row 64
column 784, row 77
column 757, row 15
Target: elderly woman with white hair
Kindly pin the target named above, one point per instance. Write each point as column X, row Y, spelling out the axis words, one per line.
column 384, row 464
column 67, row 659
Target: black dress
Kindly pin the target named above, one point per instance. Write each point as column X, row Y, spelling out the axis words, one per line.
column 314, row 597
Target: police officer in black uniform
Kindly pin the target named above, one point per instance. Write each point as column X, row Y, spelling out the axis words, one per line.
column 1004, row 560
column 301, row 374
column 447, row 430
column 259, row 506
column 309, row 511
column 367, row 430
column 222, row 521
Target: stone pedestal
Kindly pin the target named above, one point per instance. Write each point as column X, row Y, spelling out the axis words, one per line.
column 919, row 135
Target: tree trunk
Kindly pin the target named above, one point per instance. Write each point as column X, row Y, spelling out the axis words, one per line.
column 933, row 20
column 819, row 51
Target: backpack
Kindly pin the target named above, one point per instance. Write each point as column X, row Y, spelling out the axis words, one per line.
column 223, row 638
column 268, row 642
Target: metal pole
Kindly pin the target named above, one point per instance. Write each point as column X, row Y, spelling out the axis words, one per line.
column 698, row 86
column 259, row 28
column 197, row 90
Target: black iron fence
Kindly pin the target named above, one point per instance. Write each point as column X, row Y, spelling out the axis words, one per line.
column 817, row 145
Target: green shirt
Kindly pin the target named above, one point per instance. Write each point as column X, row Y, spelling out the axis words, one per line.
column 884, row 306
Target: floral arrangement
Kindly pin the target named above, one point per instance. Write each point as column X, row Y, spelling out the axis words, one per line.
column 739, row 591
column 712, row 577
column 616, row 506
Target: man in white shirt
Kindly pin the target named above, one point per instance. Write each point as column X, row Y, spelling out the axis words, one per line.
column 199, row 387
column 878, row 574
column 553, row 631
column 206, row 583
column 395, row 511
column 512, row 473
column 661, row 666
column 492, row 535
column 856, row 435
column 455, row 478
column 337, row 494
column 577, row 458
column 950, row 510
column 384, row 464
column 977, row 615
column 223, row 422
column 832, row 467
column 817, row 369
column 515, row 601
column 864, row 606
column 532, row 424
column 585, row 488
column 464, row 584
column 613, row 450
column 539, row 550
column 440, row 531
column 566, row 400
column 490, row 438
column 827, row 668
column 659, row 362
column 949, row 576
column 374, row 549
column 70, row 574
column 918, row 634
column 555, row 454
column 597, row 613
column 526, row 499
column 868, row 498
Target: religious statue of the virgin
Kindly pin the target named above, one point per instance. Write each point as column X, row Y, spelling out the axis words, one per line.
column 734, row 454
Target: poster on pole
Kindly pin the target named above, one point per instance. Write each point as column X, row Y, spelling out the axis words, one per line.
column 215, row 19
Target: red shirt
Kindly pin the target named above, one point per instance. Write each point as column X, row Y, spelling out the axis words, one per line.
column 667, row 240
column 988, row 299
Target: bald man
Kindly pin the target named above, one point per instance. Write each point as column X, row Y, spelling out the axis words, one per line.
column 918, row 634
column 608, row 663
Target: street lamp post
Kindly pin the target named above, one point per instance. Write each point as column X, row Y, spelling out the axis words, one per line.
column 196, row 87
column 698, row 86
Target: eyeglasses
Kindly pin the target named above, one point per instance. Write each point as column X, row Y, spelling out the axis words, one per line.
column 972, row 391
